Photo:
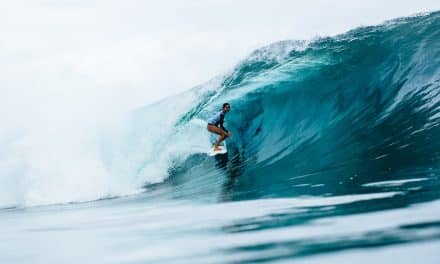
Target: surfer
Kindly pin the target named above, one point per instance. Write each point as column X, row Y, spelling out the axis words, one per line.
column 215, row 125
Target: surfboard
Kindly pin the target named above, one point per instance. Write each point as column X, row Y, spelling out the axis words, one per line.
column 222, row 150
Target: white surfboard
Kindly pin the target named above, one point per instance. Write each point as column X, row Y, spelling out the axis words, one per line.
column 222, row 150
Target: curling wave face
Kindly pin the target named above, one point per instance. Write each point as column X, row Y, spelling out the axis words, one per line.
column 324, row 117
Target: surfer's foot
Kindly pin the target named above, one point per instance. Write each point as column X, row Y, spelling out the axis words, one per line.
column 217, row 148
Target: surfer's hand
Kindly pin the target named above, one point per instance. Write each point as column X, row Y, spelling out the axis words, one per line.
column 229, row 134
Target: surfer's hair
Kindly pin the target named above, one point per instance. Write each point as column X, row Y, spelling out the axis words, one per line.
column 225, row 104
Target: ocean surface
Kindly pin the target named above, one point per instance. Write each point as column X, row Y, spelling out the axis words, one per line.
column 334, row 158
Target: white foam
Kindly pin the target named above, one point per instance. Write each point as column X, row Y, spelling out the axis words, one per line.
column 393, row 182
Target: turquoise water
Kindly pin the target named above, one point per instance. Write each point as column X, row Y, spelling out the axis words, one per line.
column 143, row 229
column 334, row 159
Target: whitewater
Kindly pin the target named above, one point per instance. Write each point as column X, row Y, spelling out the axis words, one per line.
column 335, row 157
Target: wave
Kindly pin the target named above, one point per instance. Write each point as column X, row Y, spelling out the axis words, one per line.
column 320, row 117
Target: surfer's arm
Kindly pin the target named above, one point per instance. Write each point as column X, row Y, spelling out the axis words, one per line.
column 224, row 128
column 221, row 124
column 228, row 133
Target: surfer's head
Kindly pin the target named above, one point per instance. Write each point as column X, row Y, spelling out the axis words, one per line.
column 226, row 107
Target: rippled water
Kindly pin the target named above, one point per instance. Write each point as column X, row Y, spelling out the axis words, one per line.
column 145, row 229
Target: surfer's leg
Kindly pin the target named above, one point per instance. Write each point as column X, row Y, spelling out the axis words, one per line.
column 218, row 131
column 220, row 139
